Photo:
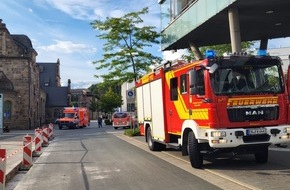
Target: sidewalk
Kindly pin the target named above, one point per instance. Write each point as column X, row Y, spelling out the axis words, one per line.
column 13, row 143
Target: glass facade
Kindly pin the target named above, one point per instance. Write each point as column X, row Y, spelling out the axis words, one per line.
column 170, row 9
column 180, row 17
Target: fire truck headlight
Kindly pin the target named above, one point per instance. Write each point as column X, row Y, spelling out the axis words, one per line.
column 286, row 130
column 218, row 134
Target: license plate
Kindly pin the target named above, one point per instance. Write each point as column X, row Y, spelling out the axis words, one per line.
column 256, row 131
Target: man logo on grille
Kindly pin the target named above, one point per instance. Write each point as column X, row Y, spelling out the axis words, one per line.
column 254, row 112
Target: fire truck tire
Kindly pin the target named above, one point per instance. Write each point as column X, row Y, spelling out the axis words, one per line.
column 261, row 156
column 153, row 145
column 195, row 156
column 60, row 127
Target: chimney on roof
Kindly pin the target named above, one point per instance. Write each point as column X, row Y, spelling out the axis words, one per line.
column 68, row 85
column 3, row 33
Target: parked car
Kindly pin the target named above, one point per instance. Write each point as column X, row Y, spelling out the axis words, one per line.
column 123, row 119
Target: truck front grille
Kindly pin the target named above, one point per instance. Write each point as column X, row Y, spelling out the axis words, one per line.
column 241, row 114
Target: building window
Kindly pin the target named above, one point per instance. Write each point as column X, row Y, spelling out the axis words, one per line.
column 46, row 82
column 7, row 110
column 173, row 89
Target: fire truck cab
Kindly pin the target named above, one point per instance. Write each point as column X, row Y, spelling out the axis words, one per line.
column 232, row 104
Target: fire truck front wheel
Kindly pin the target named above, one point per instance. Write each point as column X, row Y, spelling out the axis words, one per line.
column 153, row 145
column 195, row 156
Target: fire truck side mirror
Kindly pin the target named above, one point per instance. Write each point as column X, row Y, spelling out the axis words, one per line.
column 213, row 68
column 193, row 81
column 288, row 80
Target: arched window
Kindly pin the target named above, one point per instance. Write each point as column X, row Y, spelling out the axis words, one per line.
column 7, row 110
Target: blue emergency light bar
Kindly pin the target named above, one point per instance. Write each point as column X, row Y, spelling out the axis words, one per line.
column 209, row 54
column 262, row 52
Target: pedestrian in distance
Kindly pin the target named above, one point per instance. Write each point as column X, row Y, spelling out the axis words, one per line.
column 100, row 121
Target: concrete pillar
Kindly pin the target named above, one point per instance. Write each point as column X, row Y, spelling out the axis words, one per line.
column 235, row 32
column 264, row 44
column 195, row 50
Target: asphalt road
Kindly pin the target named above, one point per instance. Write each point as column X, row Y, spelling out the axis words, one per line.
column 94, row 158
column 91, row 158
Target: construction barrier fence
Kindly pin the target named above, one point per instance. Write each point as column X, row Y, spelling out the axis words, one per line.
column 41, row 137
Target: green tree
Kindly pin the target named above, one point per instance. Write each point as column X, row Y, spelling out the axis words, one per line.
column 219, row 49
column 109, row 101
column 93, row 106
column 126, row 40
column 101, row 88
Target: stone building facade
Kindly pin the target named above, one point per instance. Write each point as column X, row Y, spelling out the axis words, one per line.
column 23, row 99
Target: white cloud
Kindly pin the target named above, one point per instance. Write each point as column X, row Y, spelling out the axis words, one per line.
column 100, row 9
column 78, row 9
column 75, row 84
column 67, row 47
column 172, row 55
column 117, row 13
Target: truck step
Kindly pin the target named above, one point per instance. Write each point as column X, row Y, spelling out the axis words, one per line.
column 173, row 145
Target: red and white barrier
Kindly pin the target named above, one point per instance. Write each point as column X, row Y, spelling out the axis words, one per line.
column 2, row 168
column 27, row 152
column 37, row 142
column 50, row 131
column 45, row 136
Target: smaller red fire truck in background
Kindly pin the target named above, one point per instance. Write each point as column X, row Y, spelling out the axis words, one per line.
column 74, row 117
column 123, row 119
column 236, row 104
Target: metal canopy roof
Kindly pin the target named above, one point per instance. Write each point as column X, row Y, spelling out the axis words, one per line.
column 259, row 19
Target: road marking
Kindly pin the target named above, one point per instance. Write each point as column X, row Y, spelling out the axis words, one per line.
column 217, row 179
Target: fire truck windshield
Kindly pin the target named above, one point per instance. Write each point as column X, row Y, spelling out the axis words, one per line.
column 69, row 115
column 247, row 79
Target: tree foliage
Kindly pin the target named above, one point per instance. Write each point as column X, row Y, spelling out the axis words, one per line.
column 101, row 92
column 126, row 40
column 101, row 88
column 109, row 101
column 93, row 106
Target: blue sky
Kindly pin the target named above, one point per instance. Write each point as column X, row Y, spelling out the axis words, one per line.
column 61, row 29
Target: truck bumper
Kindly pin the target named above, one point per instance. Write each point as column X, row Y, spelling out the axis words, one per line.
column 67, row 124
column 226, row 138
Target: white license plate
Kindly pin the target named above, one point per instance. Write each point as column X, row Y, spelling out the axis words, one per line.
column 256, row 131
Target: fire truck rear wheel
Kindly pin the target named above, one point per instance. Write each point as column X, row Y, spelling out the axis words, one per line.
column 195, row 156
column 261, row 156
column 60, row 127
column 153, row 145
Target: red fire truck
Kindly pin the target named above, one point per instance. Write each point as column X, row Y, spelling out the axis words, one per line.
column 231, row 104
column 74, row 117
